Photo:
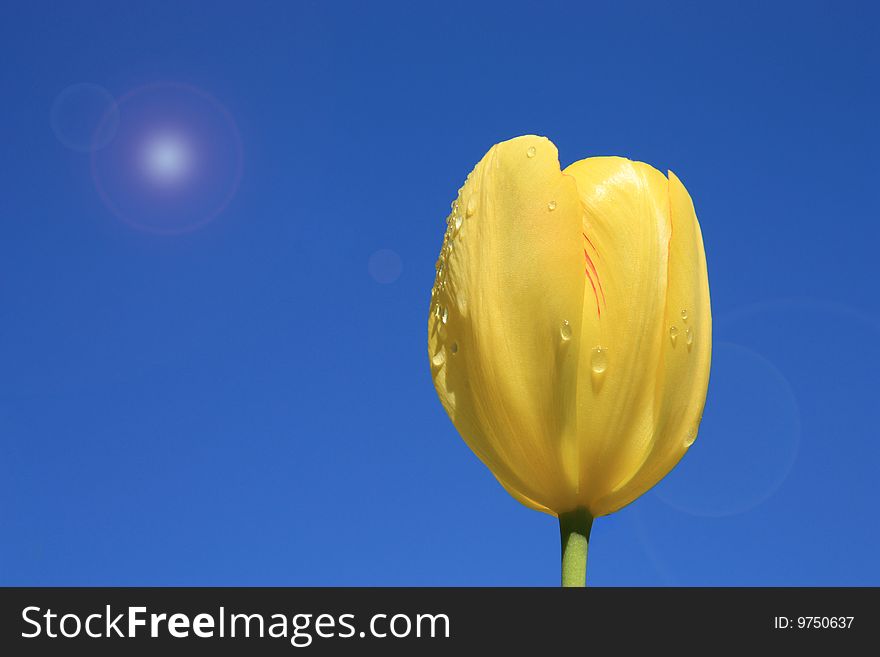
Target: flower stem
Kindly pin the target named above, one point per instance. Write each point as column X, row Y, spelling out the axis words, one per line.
column 574, row 532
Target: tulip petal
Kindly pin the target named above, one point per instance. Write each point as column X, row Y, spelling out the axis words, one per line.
column 505, row 313
column 683, row 372
column 626, row 231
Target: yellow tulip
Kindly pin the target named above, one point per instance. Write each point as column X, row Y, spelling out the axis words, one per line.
column 570, row 331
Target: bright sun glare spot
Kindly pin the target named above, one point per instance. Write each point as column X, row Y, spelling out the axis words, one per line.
column 166, row 159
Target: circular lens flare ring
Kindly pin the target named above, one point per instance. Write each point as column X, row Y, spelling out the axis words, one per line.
column 84, row 117
column 176, row 162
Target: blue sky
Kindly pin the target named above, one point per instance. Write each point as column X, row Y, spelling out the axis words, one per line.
column 250, row 402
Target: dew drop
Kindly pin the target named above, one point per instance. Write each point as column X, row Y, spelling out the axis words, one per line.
column 437, row 311
column 551, row 206
column 453, row 348
column 599, row 360
column 531, row 151
column 471, row 206
column 689, row 337
column 684, row 314
column 457, row 221
column 445, row 315
column 673, row 334
column 439, row 358
column 565, row 330
column 690, row 437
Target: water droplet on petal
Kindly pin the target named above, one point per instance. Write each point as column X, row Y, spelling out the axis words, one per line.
column 457, row 221
column 684, row 314
column 471, row 206
column 439, row 358
column 690, row 437
column 531, row 151
column 565, row 330
column 599, row 360
column 445, row 315
column 454, row 348
column 551, row 206
column 689, row 337
column 673, row 334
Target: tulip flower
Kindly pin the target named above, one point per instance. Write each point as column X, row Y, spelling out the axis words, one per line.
column 570, row 332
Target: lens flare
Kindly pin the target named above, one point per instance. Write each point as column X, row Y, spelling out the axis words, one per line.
column 84, row 117
column 176, row 160
column 166, row 159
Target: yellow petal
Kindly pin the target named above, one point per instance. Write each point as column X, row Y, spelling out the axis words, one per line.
column 505, row 313
column 683, row 373
column 626, row 232
column 570, row 326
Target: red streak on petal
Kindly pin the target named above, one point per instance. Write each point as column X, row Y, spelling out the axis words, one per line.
column 595, row 294
column 598, row 280
column 593, row 267
column 590, row 243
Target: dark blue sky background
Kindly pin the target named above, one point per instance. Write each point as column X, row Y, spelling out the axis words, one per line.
column 251, row 403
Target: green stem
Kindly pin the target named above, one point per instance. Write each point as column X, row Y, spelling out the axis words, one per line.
column 574, row 532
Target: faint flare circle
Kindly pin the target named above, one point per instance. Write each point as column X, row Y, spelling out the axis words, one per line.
column 84, row 117
column 749, row 438
column 385, row 266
